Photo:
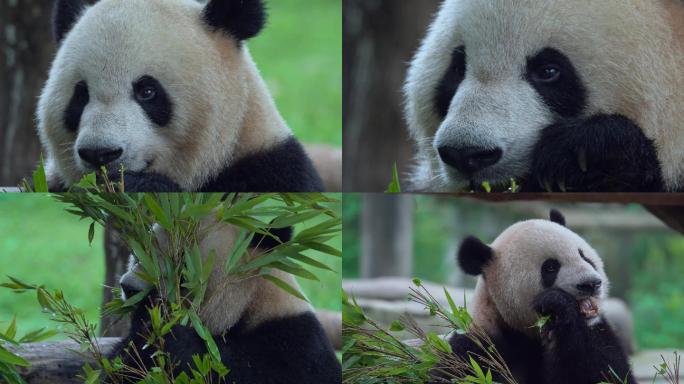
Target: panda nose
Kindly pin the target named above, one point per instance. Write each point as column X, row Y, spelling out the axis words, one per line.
column 589, row 287
column 469, row 160
column 99, row 156
column 128, row 290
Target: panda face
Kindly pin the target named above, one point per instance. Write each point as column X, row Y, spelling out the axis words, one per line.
column 525, row 260
column 536, row 255
column 147, row 84
column 491, row 75
column 228, row 298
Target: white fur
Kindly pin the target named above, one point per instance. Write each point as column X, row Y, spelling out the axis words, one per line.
column 627, row 52
column 222, row 109
column 230, row 298
column 512, row 279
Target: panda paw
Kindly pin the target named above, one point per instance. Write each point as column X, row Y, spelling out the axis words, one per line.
column 603, row 153
column 562, row 307
column 145, row 182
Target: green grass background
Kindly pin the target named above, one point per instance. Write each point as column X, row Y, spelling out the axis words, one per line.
column 40, row 243
column 299, row 54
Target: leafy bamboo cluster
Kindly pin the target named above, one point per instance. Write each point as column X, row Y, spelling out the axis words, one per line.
column 178, row 272
column 372, row 354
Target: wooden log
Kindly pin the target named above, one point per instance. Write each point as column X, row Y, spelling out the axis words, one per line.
column 62, row 361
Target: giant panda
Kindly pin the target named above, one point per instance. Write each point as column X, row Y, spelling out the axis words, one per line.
column 264, row 334
column 540, row 268
column 576, row 96
column 168, row 89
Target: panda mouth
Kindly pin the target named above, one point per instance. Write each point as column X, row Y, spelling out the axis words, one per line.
column 589, row 307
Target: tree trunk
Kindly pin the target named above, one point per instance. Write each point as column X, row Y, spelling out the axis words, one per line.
column 116, row 259
column 26, row 48
column 380, row 38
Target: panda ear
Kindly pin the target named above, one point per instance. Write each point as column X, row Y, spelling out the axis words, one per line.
column 557, row 217
column 64, row 16
column 474, row 255
column 243, row 19
column 266, row 242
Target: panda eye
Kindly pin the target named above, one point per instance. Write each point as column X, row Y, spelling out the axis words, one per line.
column 146, row 93
column 547, row 74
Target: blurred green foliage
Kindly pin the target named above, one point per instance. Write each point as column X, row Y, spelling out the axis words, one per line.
column 653, row 267
column 299, row 54
column 43, row 244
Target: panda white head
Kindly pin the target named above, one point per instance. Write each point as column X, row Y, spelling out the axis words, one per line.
column 492, row 74
column 526, row 259
column 159, row 86
column 229, row 299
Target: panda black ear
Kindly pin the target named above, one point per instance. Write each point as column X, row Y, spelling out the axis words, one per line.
column 474, row 255
column 266, row 242
column 243, row 19
column 557, row 217
column 64, row 16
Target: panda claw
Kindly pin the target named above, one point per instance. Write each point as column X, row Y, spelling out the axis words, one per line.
column 582, row 159
column 561, row 186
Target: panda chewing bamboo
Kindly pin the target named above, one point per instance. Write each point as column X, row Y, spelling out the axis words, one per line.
column 264, row 334
column 541, row 268
column 168, row 90
column 576, row 96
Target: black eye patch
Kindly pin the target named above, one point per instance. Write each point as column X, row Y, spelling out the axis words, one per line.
column 153, row 99
column 549, row 272
column 553, row 76
column 446, row 89
column 74, row 110
column 581, row 253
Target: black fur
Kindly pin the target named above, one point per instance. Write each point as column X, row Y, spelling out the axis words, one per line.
column 289, row 350
column 557, row 217
column 581, row 253
column 159, row 109
column 79, row 99
column 242, row 19
column 64, row 16
column 549, row 272
column 449, row 84
column 473, row 255
column 266, row 242
column 567, row 352
column 565, row 94
column 603, row 153
column 283, row 168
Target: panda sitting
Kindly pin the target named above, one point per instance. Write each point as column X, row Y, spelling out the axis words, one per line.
column 264, row 334
column 168, row 90
column 540, row 268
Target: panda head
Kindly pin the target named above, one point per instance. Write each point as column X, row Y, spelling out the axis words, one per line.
column 526, row 259
column 229, row 299
column 492, row 74
column 162, row 86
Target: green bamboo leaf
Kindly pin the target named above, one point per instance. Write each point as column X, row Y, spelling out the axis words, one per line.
column 307, row 260
column 293, row 219
column 204, row 333
column 285, row 286
column 394, row 186
column 9, row 373
column 157, row 211
column 239, row 249
column 452, row 304
column 91, row 233
column 38, row 335
column 294, row 269
column 10, row 358
column 325, row 248
column 260, row 261
column 11, row 331
column 40, row 180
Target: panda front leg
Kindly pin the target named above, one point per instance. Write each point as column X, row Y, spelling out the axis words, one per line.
column 602, row 153
column 576, row 352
